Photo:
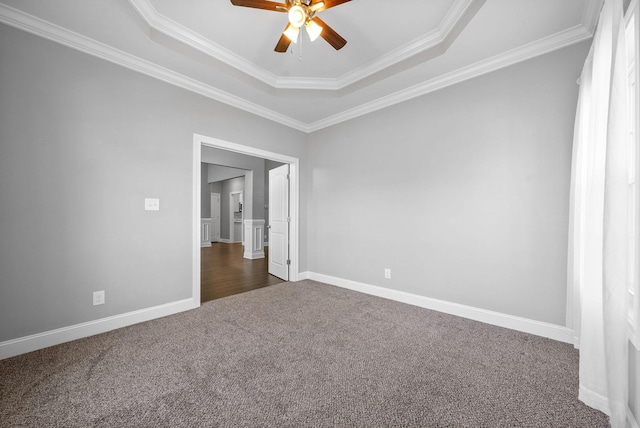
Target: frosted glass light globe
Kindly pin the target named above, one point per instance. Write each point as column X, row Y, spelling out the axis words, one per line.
column 297, row 16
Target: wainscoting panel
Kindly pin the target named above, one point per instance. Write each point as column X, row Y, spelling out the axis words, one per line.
column 206, row 225
column 254, row 241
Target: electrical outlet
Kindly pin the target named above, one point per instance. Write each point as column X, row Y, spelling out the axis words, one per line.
column 387, row 273
column 151, row 204
column 98, row 298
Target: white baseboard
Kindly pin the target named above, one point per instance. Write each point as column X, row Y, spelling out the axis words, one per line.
column 205, row 244
column 303, row 275
column 225, row 241
column 37, row 341
column 594, row 399
column 253, row 255
column 601, row 403
column 538, row 328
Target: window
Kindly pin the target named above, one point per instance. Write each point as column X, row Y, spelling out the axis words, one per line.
column 631, row 29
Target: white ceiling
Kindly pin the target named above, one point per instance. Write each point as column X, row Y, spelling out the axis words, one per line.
column 396, row 50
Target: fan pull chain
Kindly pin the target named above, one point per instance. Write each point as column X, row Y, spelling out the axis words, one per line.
column 300, row 37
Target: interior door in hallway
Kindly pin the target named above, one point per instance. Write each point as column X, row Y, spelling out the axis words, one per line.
column 279, row 222
column 215, row 217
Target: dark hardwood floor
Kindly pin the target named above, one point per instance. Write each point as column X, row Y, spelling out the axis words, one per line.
column 224, row 272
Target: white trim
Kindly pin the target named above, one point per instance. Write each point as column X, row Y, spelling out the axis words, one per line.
column 31, row 24
column 455, row 16
column 37, row 341
column 42, row 28
column 294, row 195
column 538, row 328
column 225, row 241
column 176, row 31
column 446, row 33
column 594, row 400
column 205, row 238
column 197, row 205
column 540, row 47
column 633, row 13
column 253, row 255
column 254, row 241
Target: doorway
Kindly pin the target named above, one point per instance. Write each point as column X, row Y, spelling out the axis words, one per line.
column 225, row 272
column 236, row 218
column 215, row 217
column 201, row 141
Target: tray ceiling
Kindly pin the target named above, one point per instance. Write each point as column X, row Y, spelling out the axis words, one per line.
column 395, row 50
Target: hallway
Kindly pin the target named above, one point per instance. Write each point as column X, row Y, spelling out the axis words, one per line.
column 224, row 272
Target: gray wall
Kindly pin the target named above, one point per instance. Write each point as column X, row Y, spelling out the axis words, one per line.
column 107, row 137
column 214, row 173
column 254, row 190
column 205, row 196
column 228, row 186
column 462, row 193
column 207, row 190
column 260, row 168
column 220, row 173
column 215, row 187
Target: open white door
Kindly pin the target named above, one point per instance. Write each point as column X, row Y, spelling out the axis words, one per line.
column 279, row 222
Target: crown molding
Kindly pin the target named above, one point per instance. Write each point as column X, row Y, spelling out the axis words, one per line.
column 450, row 21
column 47, row 30
column 454, row 18
column 63, row 36
column 540, row 47
column 429, row 41
column 178, row 32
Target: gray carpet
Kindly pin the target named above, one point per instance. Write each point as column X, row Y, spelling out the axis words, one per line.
column 299, row 355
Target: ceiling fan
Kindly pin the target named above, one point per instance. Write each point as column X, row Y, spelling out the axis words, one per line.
column 301, row 12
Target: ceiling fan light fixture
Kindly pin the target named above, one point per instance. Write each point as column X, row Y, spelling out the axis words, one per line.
column 316, row 6
column 292, row 33
column 313, row 30
column 297, row 16
column 299, row 13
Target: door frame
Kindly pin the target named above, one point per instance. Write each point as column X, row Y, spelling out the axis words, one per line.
column 200, row 141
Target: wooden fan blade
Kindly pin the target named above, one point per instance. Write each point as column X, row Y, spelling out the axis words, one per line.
column 330, row 35
column 330, row 3
column 261, row 4
column 284, row 42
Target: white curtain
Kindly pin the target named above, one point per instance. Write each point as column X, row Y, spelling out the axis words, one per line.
column 597, row 284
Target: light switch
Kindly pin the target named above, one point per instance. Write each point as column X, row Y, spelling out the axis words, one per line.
column 151, row 204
